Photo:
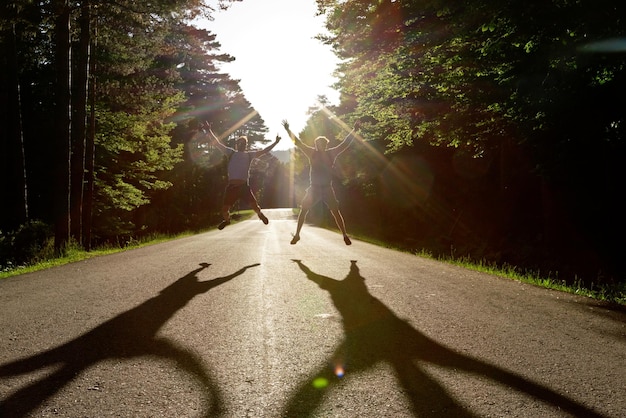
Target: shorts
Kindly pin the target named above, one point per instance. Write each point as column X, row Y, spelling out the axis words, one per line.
column 316, row 193
column 241, row 192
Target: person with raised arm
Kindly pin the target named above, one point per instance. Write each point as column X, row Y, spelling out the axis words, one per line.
column 239, row 161
column 321, row 161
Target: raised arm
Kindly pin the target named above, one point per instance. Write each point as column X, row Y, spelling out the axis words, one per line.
column 293, row 136
column 206, row 129
column 269, row 147
column 343, row 145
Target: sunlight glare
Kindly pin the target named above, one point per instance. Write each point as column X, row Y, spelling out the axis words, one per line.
column 612, row 45
column 237, row 125
column 281, row 68
column 199, row 148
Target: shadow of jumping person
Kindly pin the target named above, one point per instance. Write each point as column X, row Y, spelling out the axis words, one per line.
column 373, row 334
column 128, row 335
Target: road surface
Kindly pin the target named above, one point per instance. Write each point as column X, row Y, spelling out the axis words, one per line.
column 239, row 323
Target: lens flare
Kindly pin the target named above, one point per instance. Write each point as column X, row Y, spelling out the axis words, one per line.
column 237, row 125
column 612, row 45
column 320, row 383
column 202, row 153
column 371, row 151
column 339, row 371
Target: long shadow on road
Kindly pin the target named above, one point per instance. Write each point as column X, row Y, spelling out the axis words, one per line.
column 373, row 334
column 130, row 334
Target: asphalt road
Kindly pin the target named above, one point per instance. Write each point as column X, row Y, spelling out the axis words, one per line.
column 240, row 323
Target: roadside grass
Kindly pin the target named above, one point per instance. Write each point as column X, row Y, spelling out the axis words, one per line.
column 615, row 293
column 609, row 293
column 75, row 252
column 612, row 293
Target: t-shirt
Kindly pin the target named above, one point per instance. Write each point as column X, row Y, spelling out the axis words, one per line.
column 239, row 164
column 322, row 162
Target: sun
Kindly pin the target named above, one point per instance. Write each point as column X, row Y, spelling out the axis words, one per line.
column 281, row 67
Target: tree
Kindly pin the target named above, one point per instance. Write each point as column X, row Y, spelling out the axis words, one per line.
column 141, row 90
column 195, row 197
column 519, row 95
column 13, row 177
column 116, row 159
column 62, row 118
column 80, row 77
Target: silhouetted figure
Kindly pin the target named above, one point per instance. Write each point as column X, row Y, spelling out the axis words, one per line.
column 321, row 161
column 238, row 187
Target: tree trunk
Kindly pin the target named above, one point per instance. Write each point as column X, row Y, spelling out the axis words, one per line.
column 90, row 149
column 13, row 176
column 62, row 138
column 80, row 74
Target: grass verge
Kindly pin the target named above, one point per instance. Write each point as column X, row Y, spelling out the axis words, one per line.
column 75, row 252
column 615, row 293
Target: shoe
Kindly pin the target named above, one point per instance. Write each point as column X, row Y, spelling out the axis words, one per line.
column 346, row 239
column 223, row 224
column 263, row 218
column 295, row 239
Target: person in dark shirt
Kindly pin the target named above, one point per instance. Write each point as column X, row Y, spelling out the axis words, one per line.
column 321, row 160
column 239, row 161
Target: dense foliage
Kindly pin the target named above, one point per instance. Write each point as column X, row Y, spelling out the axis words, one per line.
column 100, row 106
column 496, row 129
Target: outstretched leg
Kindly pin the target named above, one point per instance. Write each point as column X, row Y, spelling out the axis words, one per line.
column 261, row 216
column 226, row 213
column 249, row 196
column 309, row 199
column 230, row 197
column 341, row 225
column 301, row 218
column 225, row 217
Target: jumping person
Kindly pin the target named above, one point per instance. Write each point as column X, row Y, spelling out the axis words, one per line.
column 321, row 161
column 238, row 187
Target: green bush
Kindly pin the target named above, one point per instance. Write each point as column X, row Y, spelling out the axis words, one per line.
column 28, row 244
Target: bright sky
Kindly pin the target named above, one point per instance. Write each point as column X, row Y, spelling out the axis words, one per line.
column 281, row 67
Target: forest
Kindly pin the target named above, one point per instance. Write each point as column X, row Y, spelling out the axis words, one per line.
column 492, row 130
